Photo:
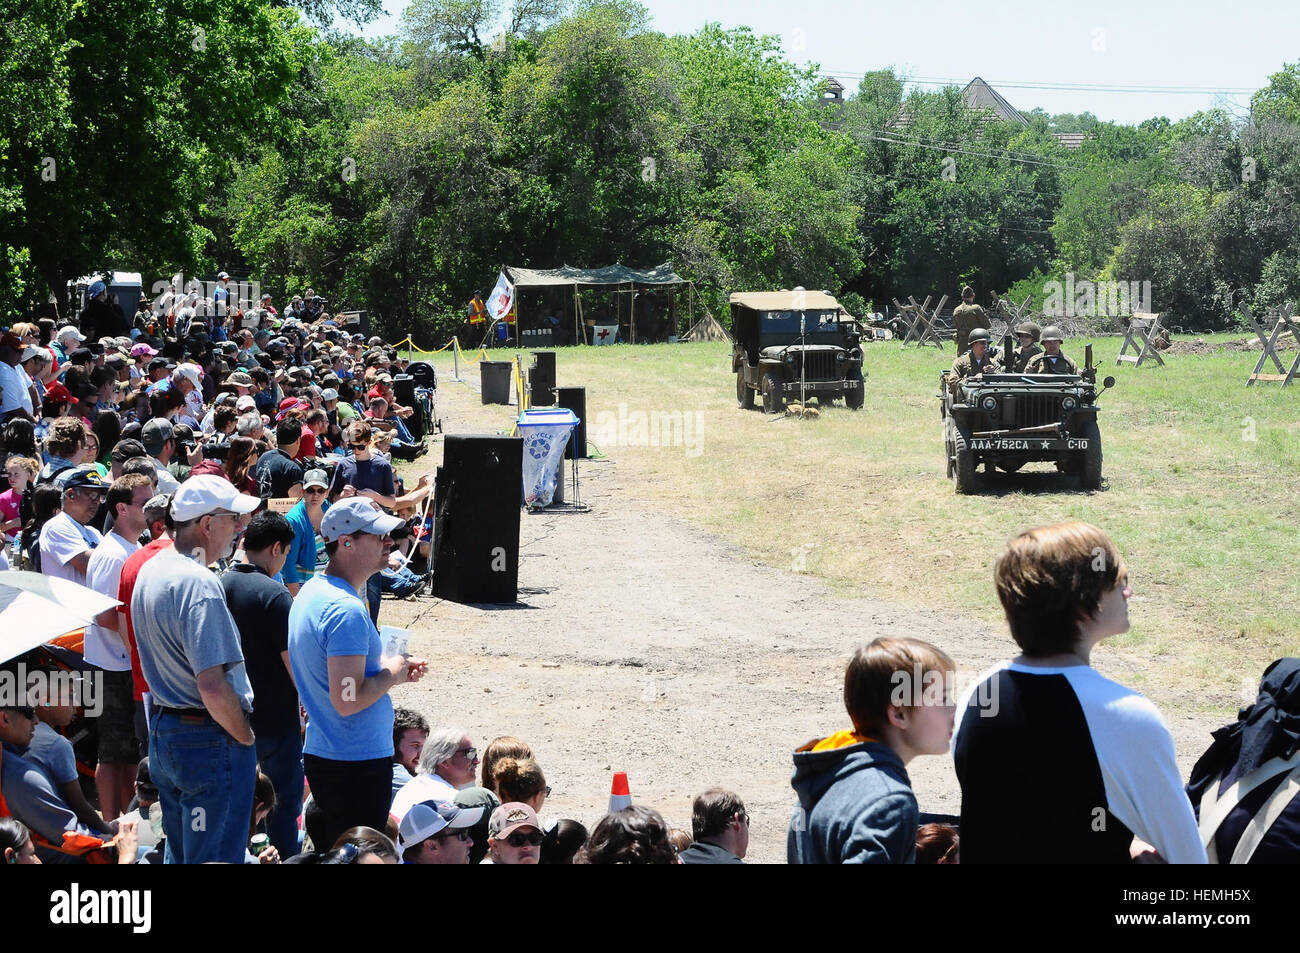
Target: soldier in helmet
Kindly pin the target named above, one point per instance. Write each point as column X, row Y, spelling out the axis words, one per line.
column 974, row 362
column 1051, row 361
column 1027, row 333
column 966, row 317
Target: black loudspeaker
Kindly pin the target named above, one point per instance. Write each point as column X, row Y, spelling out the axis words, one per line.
column 424, row 374
column 404, row 391
column 574, row 399
column 541, row 379
column 477, row 493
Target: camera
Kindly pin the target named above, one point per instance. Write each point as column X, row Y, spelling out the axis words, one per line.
column 216, row 449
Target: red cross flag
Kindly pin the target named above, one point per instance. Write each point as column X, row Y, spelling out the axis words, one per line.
column 502, row 299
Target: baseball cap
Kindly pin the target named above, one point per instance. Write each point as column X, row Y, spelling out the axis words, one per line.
column 245, row 403
column 57, row 393
column 32, row 352
column 96, row 287
column 509, row 817
column 428, row 818
column 86, row 476
column 221, row 275
column 155, row 433
column 356, row 515
column 68, row 331
column 143, row 350
column 191, row 372
column 328, row 394
column 315, row 478
column 240, row 379
column 201, row 495
column 124, row 450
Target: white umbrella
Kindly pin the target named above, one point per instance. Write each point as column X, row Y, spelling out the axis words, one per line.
column 35, row 609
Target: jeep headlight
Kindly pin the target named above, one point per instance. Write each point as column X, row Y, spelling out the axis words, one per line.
column 1068, row 403
column 990, row 403
column 839, row 355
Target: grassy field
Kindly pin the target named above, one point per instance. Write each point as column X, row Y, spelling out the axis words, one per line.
column 1199, row 492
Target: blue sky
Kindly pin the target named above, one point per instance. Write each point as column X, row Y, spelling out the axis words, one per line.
column 1211, row 47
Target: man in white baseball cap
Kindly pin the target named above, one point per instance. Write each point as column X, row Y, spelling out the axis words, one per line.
column 437, row 832
column 343, row 682
column 66, row 340
column 190, row 652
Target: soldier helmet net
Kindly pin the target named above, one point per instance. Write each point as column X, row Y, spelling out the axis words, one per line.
column 967, row 292
column 1030, row 328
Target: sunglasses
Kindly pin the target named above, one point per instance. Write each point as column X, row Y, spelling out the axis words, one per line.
column 359, row 446
column 461, row 835
column 519, row 839
column 471, row 754
column 314, row 489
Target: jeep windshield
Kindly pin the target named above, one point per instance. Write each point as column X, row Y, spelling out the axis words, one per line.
column 787, row 323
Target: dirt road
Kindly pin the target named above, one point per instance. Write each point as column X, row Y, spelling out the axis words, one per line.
column 643, row 644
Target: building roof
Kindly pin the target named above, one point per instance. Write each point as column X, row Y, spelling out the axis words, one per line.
column 978, row 96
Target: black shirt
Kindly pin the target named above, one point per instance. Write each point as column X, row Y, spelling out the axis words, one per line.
column 702, row 852
column 260, row 606
column 275, row 473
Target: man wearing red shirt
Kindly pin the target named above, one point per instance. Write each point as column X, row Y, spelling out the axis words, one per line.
column 155, row 514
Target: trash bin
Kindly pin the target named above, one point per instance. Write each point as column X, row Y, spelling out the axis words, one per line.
column 495, row 381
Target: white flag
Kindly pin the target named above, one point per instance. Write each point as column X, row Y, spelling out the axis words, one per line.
column 501, row 299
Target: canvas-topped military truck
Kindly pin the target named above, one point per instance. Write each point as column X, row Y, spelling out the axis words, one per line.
column 1005, row 420
column 793, row 342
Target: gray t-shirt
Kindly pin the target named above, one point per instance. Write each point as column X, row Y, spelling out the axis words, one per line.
column 32, row 799
column 53, row 752
column 182, row 626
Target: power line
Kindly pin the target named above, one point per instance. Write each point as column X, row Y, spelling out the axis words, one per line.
column 978, row 155
column 1077, row 87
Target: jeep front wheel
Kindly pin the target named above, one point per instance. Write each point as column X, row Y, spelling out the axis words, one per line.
column 963, row 462
column 773, row 396
column 853, row 399
column 744, row 395
column 1090, row 471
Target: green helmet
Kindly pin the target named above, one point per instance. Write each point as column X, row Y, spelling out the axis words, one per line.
column 1052, row 333
column 1030, row 328
column 978, row 334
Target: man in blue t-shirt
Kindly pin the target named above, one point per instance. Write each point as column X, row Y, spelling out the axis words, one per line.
column 342, row 680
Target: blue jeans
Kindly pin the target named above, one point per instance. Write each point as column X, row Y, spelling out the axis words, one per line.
column 281, row 760
column 205, row 784
column 403, row 434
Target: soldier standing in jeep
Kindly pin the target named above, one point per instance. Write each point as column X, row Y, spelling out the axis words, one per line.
column 1051, row 361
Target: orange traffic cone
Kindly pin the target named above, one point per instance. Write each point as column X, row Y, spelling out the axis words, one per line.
column 619, row 795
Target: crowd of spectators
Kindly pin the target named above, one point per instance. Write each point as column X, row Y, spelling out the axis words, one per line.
column 246, row 712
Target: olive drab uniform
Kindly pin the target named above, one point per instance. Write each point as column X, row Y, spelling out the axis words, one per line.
column 968, row 365
column 1021, row 356
column 1045, row 364
column 966, row 318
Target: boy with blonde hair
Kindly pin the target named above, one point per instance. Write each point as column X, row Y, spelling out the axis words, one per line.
column 856, row 804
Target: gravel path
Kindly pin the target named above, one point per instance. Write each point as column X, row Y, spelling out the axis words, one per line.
column 643, row 644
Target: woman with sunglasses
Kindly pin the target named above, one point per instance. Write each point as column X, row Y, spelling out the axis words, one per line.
column 307, row 554
column 514, row 835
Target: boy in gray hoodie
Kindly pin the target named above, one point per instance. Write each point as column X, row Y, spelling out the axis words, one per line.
column 856, row 804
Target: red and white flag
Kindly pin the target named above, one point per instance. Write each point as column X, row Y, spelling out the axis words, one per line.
column 502, row 298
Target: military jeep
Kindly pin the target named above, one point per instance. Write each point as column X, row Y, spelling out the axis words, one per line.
column 1004, row 421
column 793, row 342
